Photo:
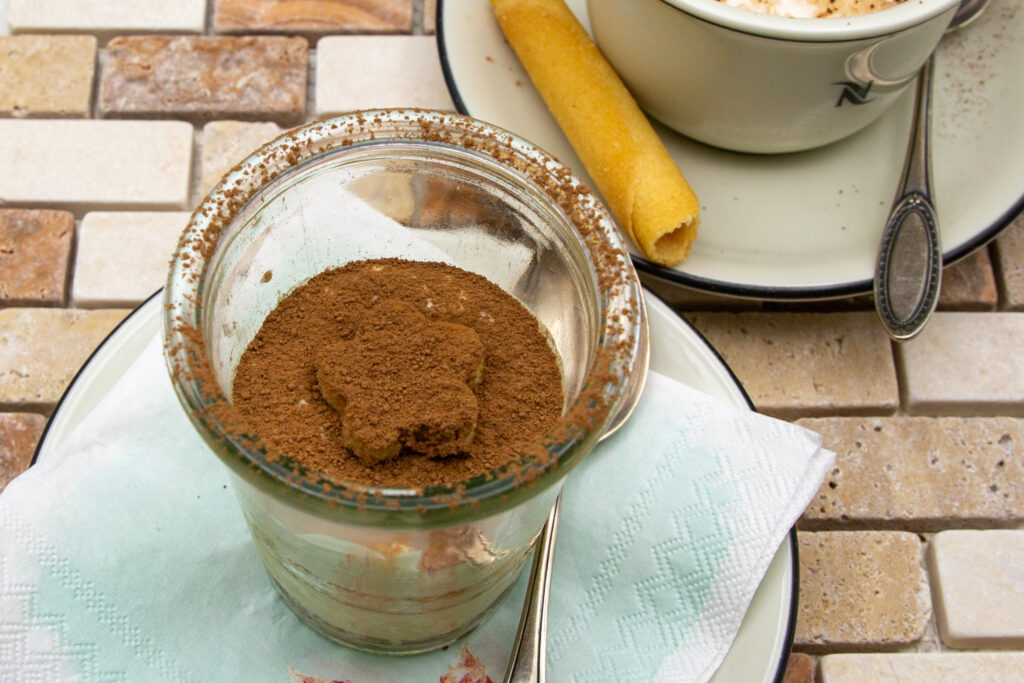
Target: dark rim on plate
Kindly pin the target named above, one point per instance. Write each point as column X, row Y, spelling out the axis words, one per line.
column 746, row 291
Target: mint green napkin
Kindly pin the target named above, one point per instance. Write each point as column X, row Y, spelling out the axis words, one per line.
column 124, row 557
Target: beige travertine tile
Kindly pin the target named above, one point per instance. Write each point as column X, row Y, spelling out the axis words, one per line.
column 105, row 18
column 965, row 364
column 199, row 77
column 82, row 165
column 978, row 586
column 394, row 71
column 41, row 349
column 122, row 257
column 19, row 434
column 919, row 473
column 430, row 16
column 969, row 284
column 312, row 17
column 1009, row 252
column 807, row 364
column 46, row 75
column 923, row 668
column 35, row 246
column 225, row 143
column 861, row 590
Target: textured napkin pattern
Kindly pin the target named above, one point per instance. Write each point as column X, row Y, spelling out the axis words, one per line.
column 125, row 557
column 692, row 500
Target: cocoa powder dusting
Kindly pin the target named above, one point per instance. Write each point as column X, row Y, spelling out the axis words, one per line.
column 399, row 380
column 186, row 348
column 361, row 325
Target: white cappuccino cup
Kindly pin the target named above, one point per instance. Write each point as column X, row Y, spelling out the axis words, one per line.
column 753, row 82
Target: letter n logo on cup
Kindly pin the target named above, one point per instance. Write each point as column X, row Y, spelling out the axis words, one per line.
column 853, row 92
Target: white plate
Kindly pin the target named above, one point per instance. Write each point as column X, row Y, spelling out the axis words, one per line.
column 806, row 225
column 762, row 646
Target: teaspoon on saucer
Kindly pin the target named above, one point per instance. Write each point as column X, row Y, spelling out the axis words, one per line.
column 908, row 270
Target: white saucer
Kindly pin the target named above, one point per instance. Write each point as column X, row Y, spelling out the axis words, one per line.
column 761, row 648
column 806, row 225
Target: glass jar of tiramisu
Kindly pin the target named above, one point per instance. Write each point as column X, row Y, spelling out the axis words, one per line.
column 384, row 567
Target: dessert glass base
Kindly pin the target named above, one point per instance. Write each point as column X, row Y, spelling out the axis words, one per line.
column 398, row 593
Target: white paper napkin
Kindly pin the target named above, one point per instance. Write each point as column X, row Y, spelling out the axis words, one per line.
column 124, row 557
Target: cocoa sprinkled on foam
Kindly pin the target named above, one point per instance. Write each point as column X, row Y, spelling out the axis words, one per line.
column 190, row 364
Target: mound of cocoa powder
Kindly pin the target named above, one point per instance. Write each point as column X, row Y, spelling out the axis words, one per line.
column 519, row 395
column 402, row 381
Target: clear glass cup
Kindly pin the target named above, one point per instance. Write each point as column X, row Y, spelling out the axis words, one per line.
column 399, row 570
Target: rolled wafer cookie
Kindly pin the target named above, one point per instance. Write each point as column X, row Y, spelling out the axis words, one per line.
column 638, row 178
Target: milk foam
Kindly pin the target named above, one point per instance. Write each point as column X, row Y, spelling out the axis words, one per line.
column 811, row 9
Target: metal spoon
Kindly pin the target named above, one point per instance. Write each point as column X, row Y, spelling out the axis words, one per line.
column 526, row 664
column 908, row 270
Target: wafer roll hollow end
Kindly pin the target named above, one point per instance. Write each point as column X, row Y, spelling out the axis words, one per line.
column 673, row 246
column 626, row 159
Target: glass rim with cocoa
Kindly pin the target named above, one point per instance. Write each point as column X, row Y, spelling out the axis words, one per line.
column 578, row 281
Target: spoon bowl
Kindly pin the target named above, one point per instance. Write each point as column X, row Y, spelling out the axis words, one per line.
column 908, row 270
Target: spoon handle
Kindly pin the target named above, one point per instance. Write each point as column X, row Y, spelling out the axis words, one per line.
column 526, row 664
column 909, row 266
column 528, row 651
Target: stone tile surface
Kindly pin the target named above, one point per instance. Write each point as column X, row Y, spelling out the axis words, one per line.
column 861, row 590
column 225, row 143
column 82, row 165
column 105, row 18
column 1009, row 253
column 200, row 77
column 965, row 364
column 807, row 364
column 923, row 668
column 46, row 75
column 395, row 71
column 41, row 349
column 969, row 284
column 919, row 473
column 800, row 669
column 430, row 16
column 19, row 434
column 312, row 17
column 978, row 587
column 35, row 247
column 123, row 256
